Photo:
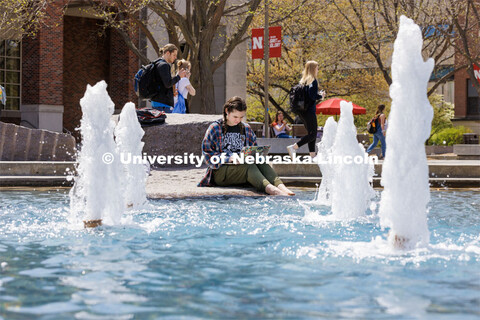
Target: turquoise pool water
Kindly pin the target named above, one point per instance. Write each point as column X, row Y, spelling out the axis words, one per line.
column 236, row 257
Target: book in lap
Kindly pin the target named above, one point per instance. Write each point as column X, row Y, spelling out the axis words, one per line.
column 253, row 150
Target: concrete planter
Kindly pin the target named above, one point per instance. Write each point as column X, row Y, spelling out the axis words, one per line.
column 19, row 143
column 438, row 149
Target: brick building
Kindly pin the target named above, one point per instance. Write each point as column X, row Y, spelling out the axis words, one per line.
column 467, row 101
column 46, row 76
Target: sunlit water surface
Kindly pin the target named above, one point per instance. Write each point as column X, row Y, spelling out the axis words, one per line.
column 220, row 258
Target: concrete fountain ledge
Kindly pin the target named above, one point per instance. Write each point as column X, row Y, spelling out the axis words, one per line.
column 181, row 182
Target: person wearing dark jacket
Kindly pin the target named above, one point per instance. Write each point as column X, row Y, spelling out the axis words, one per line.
column 163, row 99
column 309, row 118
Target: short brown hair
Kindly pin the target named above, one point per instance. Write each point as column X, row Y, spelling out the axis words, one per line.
column 169, row 47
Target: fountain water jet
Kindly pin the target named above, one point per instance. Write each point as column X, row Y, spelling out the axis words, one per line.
column 403, row 205
column 128, row 135
column 97, row 193
column 324, row 196
column 351, row 189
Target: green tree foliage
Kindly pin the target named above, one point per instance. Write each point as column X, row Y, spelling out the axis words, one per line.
column 353, row 42
column 306, row 37
column 19, row 18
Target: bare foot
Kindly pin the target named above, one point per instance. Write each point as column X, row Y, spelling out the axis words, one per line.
column 274, row 191
column 285, row 189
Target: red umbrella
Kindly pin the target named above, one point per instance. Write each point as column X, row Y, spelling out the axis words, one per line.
column 332, row 106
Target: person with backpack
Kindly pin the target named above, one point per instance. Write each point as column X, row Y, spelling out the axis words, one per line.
column 308, row 115
column 163, row 98
column 184, row 87
column 227, row 137
column 379, row 135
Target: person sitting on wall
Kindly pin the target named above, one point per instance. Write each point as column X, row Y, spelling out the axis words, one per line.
column 227, row 137
column 280, row 126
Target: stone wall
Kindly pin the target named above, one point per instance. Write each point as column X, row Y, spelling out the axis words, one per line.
column 181, row 133
column 19, row 143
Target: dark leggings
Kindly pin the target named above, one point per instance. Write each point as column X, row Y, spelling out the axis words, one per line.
column 310, row 123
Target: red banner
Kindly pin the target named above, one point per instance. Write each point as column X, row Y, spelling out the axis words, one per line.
column 275, row 35
column 476, row 71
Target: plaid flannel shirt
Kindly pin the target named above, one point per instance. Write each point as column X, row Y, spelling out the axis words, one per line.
column 212, row 146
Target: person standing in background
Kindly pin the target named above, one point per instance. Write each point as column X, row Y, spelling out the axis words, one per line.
column 309, row 117
column 163, row 99
column 184, row 87
column 379, row 135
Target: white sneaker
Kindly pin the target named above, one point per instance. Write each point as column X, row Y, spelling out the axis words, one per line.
column 291, row 151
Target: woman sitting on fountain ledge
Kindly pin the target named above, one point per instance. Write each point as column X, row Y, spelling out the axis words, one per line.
column 228, row 136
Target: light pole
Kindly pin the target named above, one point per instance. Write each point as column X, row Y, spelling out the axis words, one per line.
column 266, row 56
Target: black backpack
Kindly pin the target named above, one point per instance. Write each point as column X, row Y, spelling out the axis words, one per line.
column 150, row 116
column 145, row 81
column 298, row 103
column 372, row 125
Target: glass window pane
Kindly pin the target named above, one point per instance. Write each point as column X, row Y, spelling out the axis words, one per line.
column 12, row 90
column 2, row 47
column 471, row 90
column 2, row 78
column 2, row 63
column 13, row 48
column 13, row 64
column 12, row 77
column 13, row 104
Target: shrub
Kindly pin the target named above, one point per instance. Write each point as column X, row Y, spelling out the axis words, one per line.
column 442, row 113
column 449, row 136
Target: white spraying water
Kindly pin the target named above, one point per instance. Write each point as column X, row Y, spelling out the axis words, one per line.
column 98, row 189
column 129, row 135
column 403, row 205
column 351, row 189
column 327, row 168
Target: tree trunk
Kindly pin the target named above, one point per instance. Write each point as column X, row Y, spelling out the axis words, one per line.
column 206, row 94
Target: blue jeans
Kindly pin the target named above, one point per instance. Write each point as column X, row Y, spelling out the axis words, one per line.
column 283, row 135
column 161, row 107
column 378, row 136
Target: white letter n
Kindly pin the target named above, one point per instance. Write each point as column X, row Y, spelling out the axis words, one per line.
column 258, row 43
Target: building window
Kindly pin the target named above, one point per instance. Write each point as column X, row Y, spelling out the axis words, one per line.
column 473, row 101
column 10, row 75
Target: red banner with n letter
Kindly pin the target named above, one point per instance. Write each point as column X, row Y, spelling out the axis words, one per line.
column 476, row 71
column 275, row 35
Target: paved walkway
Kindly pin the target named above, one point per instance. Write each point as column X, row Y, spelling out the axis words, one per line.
column 182, row 183
column 178, row 182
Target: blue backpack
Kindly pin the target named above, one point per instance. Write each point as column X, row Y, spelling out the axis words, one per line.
column 145, row 82
column 3, row 95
